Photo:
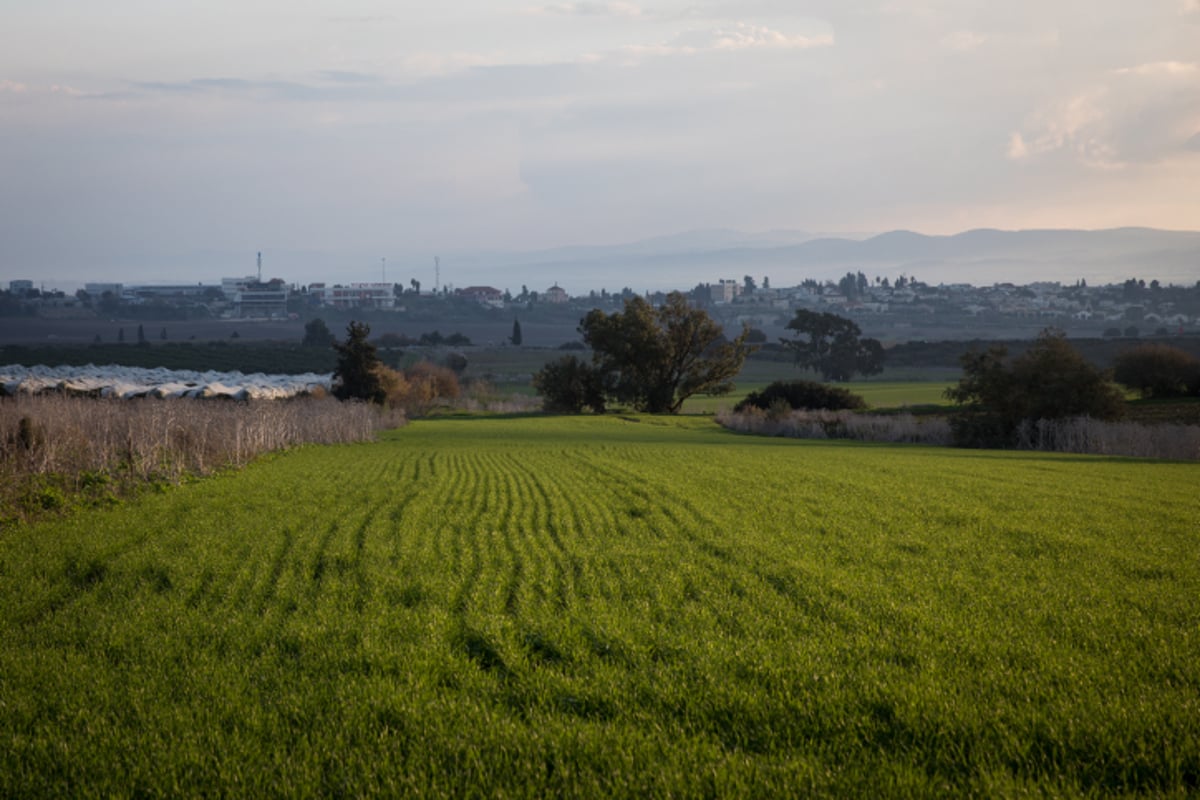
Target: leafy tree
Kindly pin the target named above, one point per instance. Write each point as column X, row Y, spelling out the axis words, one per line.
column 803, row 394
column 568, row 384
column 317, row 334
column 358, row 367
column 121, row 335
column 141, row 335
column 516, row 333
column 834, row 346
column 1050, row 380
column 163, row 334
column 655, row 359
column 1158, row 370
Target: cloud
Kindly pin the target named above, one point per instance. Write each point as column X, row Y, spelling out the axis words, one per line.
column 364, row 19
column 29, row 91
column 963, row 41
column 344, row 76
column 1193, row 143
column 1143, row 114
column 740, row 36
column 1189, row 7
column 586, row 9
column 1161, row 68
column 1078, row 125
column 1017, row 149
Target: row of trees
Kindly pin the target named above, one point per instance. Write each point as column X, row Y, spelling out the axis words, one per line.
column 361, row 375
column 1052, row 380
column 649, row 358
column 654, row 359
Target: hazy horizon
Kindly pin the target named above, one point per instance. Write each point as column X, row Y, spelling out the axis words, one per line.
column 680, row 261
column 148, row 142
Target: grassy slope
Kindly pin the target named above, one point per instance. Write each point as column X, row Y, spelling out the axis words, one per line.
column 595, row 605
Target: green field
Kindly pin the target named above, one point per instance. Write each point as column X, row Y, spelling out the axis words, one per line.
column 607, row 606
column 878, row 394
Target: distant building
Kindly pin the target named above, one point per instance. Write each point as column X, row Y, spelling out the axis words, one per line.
column 356, row 295
column 165, row 292
column 20, row 287
column 724, row 291
column 556, row 294
column 231, row 286
column 99, row 289
column 487, row 295
column 262, row 300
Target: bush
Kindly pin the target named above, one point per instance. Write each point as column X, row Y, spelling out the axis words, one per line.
column 419, row 388
column 456, row 362
column 1158, row 370
column 820, row 424
column 317, row 334
column 1050, row 380
column 803, row 395
column 568, row 384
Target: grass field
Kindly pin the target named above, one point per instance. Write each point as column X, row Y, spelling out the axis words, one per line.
column 878, row 394
column 601, row 606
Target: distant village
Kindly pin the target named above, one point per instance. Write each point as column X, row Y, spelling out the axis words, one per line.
column 1132, row 308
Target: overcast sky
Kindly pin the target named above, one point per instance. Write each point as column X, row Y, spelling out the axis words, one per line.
column 141, row 139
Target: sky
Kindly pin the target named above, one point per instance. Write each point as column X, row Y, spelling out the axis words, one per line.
column 152, row 141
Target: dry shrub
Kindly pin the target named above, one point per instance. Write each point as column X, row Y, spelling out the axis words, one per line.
column 1075, row 435
column 1096, row 437
column 482, row 396
column 419, row 388
column 778, row 421
column 72, row 440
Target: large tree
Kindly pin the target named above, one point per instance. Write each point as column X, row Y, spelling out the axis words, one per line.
column 358, row 374
column 1050, row 380
column 655, row 358
column 569, row 384
column 1158, row 370
column 832, row 346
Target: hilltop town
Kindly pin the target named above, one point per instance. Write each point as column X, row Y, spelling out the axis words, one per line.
column 896, row 310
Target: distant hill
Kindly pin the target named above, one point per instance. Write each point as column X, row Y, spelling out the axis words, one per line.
column 981, row 256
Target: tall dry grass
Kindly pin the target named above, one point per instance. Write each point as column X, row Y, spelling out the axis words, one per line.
column 54, row 446
column 837, row 425
column 1095, row 437
column 1079, row 435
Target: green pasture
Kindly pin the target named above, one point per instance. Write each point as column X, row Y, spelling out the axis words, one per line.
column 609, row 606
column 878, row 394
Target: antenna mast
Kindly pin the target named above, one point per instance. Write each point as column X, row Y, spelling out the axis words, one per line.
column 437, row 274
column 260, row 266
column 383, row 268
